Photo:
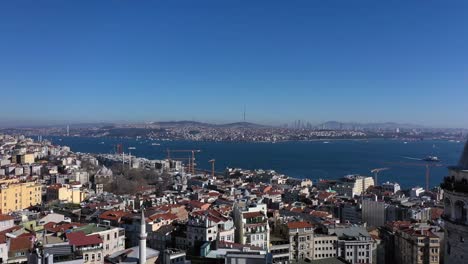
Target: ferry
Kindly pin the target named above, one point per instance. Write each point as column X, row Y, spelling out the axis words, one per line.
column 326, row 142
column 431, row 159
column 155, row 144
column 131, row 148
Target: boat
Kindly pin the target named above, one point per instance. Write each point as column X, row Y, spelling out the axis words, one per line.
column 102, row 143
column 405, row 142
column 431, row 159
column 131, row 148
column 326, row 142
column 155, row 144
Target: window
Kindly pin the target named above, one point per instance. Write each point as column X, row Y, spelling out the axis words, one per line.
column 86, row 257
column 99, row 256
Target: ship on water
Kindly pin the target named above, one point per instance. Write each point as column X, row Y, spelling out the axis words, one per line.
column 431, row 159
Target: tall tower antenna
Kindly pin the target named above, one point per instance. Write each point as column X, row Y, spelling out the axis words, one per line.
column 244, row 112
column 68, row 130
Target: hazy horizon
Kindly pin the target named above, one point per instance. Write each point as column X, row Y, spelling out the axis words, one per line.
column 59, row 123
column 316, row 61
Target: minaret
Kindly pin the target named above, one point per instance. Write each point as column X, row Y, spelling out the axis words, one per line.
column 142, row 237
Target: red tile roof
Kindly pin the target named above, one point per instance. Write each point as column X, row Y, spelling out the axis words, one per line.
column 299, row 224
column 80, row 239
column 113, row 215
column 252, row 214
column 21, row 243
column 4, row 217
column 199, row 205
column 164, row 216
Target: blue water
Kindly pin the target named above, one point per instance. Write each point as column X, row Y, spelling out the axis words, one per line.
column 312, row 160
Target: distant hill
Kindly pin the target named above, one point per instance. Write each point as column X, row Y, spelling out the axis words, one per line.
column 373, row 126
column 184, row 123
column 241, row 125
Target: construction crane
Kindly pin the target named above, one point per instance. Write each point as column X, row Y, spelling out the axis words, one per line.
column 191, row 162
column 428, row 166
column 376, row 174
column 212, row 161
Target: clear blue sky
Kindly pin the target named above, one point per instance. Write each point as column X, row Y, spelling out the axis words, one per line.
column 365, row 61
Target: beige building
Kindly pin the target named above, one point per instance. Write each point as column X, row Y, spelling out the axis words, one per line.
column 113, row 238
column 17, row 195
column 416, row 246
column 27, row 158
column 325, row 246
column 66, row 193
column 301, row 240
column 353, row 185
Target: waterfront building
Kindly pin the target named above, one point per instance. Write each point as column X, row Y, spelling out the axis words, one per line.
column 392, row 187
column 455, row 215
column 16, row 195
column 416, row 191
column 353, row 185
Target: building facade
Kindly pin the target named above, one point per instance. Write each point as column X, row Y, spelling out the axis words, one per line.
column 455, row 188
column 16, row 195
column 301, row 237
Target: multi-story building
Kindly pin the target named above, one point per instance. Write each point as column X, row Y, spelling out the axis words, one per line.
column 16, row 195
column 252, row 225
column 113, row 238
column 354, row 244
column 373, row 212
column 455, row 188
column 69, row 193
column 279, row 250
column 416, row 246
column 89, row 246
column 391, row 187
column 325, row 246
column 301, row 237
column 27, row 158
column 353, row 185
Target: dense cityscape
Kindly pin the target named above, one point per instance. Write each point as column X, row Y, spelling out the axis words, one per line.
column 233, row 132
column 59, row 206
column 245, row 132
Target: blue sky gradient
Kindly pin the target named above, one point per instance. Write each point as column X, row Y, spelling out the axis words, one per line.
column 362, row 61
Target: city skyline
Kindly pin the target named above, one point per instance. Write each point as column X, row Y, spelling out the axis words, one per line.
column 315, row 61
